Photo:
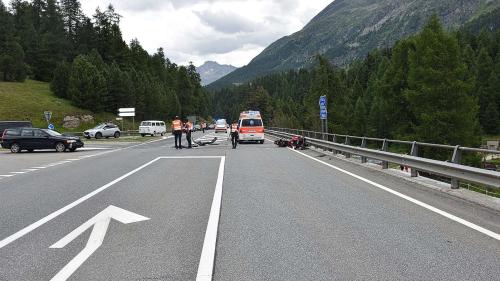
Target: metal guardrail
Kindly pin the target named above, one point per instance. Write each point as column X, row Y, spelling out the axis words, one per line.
column 453, row 169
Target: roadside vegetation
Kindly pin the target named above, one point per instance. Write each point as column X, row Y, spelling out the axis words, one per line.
column 435, row 86
column 28, row 101
column 88, row 63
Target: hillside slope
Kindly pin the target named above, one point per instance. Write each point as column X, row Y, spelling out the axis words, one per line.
column 348, row 29
column 28, row 101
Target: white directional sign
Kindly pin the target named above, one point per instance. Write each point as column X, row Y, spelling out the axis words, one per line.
column 126, row 112
column 100, row 223
column 128, row 109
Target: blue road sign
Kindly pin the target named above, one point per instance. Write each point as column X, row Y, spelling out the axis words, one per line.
column 51, row 127
column 322, row 101
column 323, row 113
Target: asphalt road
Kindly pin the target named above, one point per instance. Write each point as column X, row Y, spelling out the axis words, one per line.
column 145, row 212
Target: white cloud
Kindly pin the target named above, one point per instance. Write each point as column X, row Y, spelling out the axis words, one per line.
column 226, row 31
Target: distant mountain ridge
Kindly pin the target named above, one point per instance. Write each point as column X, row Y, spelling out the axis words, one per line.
column 211, row 71
column 348, row 29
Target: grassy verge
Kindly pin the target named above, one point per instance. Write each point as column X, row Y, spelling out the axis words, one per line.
column 28, row 101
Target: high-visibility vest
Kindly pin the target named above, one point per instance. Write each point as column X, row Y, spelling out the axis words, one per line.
column 189, row 126
column 177, row 125
column 234, row 128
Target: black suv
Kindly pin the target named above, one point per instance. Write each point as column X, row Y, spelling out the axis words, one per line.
column 29, row 139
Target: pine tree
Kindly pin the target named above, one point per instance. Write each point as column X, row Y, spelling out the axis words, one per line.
column 359, row 118
column 87, row 85
column 59, row 84
column 484, row 70
column 437, row 93
column 12, row 66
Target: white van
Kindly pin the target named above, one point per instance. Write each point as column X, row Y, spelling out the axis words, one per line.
column 221, row 126
column 152, row 128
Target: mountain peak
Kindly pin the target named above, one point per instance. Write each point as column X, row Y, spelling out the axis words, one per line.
column 347, row 30
column 211, row 71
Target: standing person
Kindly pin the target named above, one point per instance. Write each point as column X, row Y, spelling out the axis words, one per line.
column 203, row 125
column 188, row 129
column 234, row 134
column 177, row 131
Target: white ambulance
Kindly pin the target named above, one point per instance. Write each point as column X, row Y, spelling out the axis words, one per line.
column 251, row 127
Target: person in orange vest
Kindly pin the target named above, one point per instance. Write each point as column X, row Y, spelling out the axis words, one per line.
column 188, row 128
column 177, row 131
column 234, row 134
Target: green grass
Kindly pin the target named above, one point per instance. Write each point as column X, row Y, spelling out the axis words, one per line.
column 28, row 101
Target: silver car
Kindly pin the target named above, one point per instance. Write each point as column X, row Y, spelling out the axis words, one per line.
column 104, row 130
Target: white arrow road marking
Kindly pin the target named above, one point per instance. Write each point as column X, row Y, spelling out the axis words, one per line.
column 100, row 223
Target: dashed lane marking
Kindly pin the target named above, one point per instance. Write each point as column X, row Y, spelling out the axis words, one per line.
column 33, row 169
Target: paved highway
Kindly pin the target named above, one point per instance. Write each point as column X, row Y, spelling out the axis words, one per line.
column 150, row 212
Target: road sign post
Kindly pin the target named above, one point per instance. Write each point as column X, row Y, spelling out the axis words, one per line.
column 48, row 116
column 127, row 112
column 323, row 114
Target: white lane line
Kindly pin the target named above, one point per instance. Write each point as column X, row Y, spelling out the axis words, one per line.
column 206, row 265
column 6, row 241
column 92, row 148
column 6, row 176
column 408, row 198
column 85, row 156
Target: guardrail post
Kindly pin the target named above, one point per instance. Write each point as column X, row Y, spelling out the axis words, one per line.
column 457, row 159
column 414, row 152
column 347, row 142
column 334, row 140
column 385, row 147
column 363, row 145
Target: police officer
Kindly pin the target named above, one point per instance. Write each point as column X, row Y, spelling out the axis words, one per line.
column 177, row 131
column 188, row 129
column 234, row 134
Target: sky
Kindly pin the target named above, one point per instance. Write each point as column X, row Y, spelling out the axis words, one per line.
column 226, row 31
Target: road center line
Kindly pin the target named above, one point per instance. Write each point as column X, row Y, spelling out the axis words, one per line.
column 206, row 265
column 408, row 198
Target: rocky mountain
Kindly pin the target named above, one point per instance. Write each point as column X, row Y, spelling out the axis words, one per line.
column 211, row 71
column 348, row 29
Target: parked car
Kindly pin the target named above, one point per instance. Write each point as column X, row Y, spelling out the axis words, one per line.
column 30, row 139
column 105, row 130
column 197, row 127
column 152, row 128
column 211, row 126
column 14, row 124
